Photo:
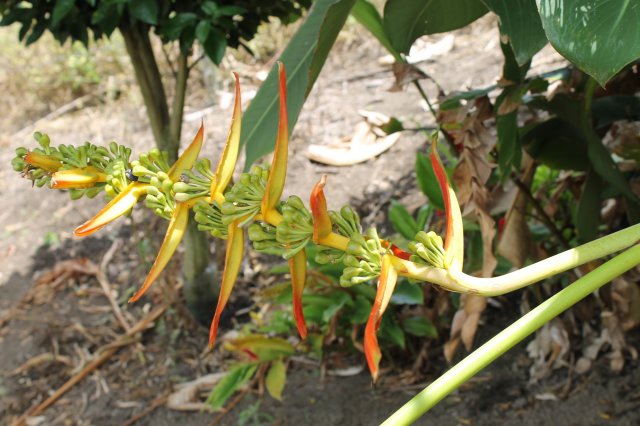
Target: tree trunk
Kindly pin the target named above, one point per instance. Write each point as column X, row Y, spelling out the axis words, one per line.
column 145, row 67
column 200, row 281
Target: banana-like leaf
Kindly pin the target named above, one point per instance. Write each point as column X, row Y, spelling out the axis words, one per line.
column 600, row 37
column 304, row 57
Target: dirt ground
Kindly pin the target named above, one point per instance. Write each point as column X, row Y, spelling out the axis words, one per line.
column 50, row 330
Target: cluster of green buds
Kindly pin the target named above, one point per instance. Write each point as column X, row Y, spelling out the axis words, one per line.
column 362, row 259
column 85, row 170
column 427, row 248
column 253, row 204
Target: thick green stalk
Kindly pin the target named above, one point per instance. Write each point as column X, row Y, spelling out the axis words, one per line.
column 512, row 335
column 460, row 282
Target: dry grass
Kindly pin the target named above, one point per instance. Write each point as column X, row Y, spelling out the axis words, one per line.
column 37, row 79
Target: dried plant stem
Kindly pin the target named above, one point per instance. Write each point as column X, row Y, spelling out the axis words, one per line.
column 107, row 352
column 101, row 276
column 512, row 335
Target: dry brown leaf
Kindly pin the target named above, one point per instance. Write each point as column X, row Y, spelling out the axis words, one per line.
column 515, row 243
column 625, row 295
column 614, row 334
column 405, row 74
column 365, row 144
column 450, row 348
column 186, row 397
column 548, row 349
column 624, row 140
column 465, row 323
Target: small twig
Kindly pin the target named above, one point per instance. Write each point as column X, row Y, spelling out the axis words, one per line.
column 544, row 217
column 107, row 351
column 195, row 62
column 152, row 406
column 168, row 59
column 101, row 276
column 424, row 96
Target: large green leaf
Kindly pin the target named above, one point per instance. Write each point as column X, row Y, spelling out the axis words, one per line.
column 402, row 220
column 427, row 181
column 507, row 103
column 144, row 10
column 520, row 22
column 276, row 378
column 588, row 212
column 60, row 11
column 572, row 112
column 557, row 144
column 407, row 293
column 599, row 36
column 420, row 326
column 230, row 383
column 303, row 58
column 406, row 20
column 367, row 15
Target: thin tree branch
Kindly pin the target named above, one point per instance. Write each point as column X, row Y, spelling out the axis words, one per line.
column 544, row 217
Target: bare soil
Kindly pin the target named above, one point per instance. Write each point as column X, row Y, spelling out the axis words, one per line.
column 69, row 317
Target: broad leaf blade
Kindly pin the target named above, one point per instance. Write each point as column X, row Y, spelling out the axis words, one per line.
column 588, row 213
column 406, row 20
column 233, row 381
column 366, row 14
column 600, row 37
column 402, row 220
column 304, row 56
column 520, row 22
column 427, row 181
column 276, row 378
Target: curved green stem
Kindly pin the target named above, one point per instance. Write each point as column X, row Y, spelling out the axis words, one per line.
column 460, row 282
column 512, row 335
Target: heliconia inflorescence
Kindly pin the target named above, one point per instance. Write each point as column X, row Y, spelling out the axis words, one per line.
column 251, row 204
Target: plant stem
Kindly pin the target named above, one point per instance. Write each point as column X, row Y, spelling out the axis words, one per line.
column 512, row 335
column 544, row 217
column 458, row 281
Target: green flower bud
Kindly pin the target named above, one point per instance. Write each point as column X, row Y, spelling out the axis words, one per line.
column 180, row 187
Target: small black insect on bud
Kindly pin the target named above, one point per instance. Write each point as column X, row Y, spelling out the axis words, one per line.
column 131, row 176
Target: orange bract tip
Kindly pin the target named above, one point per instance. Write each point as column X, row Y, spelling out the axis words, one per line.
column 321, row 221
column 229, row 158
column 120, row 205
column 42, row 161
column 175, row 231
column 454, row 238
column 77, row 178
column 298, row 271
column 232, row 262
column 386, row 285
column 278, row 171
column 188, row 157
